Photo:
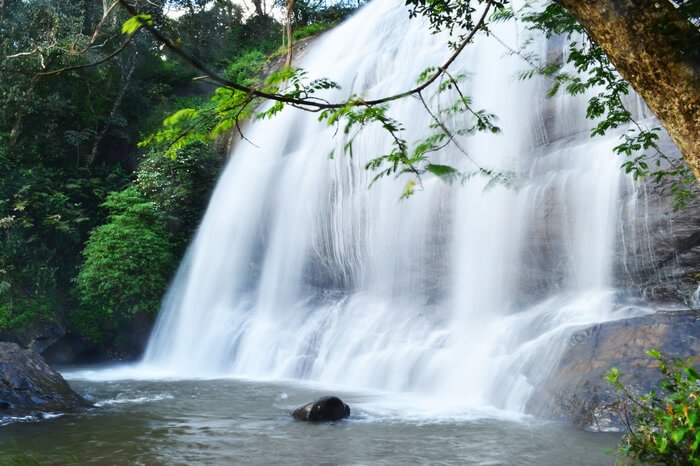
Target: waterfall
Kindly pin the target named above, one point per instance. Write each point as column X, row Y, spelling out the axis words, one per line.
column 463, row 291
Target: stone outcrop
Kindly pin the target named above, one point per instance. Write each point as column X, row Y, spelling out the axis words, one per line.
column 578, row 391
column 658, row 247
column 38, row 336
column 29, row 386
column 328, row 408
column 656, row 256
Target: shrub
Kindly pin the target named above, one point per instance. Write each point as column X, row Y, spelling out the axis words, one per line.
column 663, row 425
column 16, row 313
column 246, row 69
column 128, row 262
column 312, row 30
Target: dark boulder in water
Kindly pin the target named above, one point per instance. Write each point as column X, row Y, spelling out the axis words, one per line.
column 328, row 408
column 28, row 386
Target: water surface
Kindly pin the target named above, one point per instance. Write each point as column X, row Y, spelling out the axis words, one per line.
column 229, row 421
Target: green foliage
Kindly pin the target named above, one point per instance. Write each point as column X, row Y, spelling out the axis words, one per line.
column 228, row 107
column 45, row 215
column 663, row 425
column 454, row 16
column 593, row 73
column 319, row 12
column 311, row 30
column 135, row 22
column 20, row 311
column 129, row 259
column 127, row 264
column 246, row 70
column 69, row 139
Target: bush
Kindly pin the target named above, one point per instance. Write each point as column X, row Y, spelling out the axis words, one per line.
column 128, row 262
column 246, row 69
column 663, row 425
column 17, row 313
column 129, row 259
column 312, row 30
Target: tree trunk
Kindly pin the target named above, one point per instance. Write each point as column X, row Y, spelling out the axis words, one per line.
column 126, row 80
column 652, row 47
column 258, row 7
column 290, row 43
column 28, row 96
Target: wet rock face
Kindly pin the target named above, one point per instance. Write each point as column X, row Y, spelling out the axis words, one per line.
column 38, row 336
column 656, row 255
column 578, row 392
column 29, row 386
column 658, row 247
column 328, row 408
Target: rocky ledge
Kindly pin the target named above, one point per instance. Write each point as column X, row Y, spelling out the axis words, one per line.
column 578, row 391
column 29, row 386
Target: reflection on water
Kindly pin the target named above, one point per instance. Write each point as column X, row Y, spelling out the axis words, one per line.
column 234, row 421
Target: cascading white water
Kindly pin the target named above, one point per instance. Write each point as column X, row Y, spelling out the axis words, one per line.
column 460, row 292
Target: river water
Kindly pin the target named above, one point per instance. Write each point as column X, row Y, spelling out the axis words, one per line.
column 234, row 421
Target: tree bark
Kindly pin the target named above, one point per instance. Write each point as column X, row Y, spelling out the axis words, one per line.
column 290, row 44
column 652, row 47
column 258, row 7
column 126, row 81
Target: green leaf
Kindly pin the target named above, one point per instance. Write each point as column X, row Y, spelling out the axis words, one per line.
column 678, row 435
column 443, row 171
column 135, row 22
column 692, row 373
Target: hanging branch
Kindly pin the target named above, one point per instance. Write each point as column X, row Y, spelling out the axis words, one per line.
column 305, row 104
column 93, row 38
column 89, row 65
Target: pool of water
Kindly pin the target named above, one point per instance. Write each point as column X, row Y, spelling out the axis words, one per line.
column 233, row 421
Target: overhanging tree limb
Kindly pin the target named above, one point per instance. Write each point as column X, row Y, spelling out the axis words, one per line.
column 302, row 103
column 656, row 50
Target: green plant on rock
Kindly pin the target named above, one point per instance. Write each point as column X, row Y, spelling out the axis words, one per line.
column 663, row 425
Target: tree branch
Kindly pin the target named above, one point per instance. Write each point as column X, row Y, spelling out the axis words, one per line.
column 89, row 65
column 302, row 103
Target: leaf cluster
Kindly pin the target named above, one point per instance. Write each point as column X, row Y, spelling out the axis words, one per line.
column 663, row 424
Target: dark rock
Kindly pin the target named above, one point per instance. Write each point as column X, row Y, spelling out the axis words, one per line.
column 37, row 336
column 71, row 349
column 656, row 257
column 578, row 391
column 658, row 249
column 328, row 408
column 29, row 386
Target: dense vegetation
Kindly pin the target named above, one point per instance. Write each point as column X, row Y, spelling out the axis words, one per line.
column 93, row 226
